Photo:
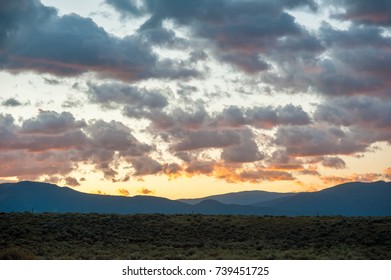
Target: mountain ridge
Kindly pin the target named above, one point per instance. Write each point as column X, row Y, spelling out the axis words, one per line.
column 349, row 199
column 239, row 198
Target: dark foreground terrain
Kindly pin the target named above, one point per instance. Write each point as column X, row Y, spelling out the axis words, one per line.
column 105, row 236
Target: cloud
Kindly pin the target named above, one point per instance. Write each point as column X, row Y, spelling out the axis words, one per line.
column 234, row 173
column 30, row 166
column 71, row 181
column 238, row 30
column 199, row 168
column 145, row 191
column 127, row 7
column 246, row 151
column 107, row 137
column 49, row 122
column 13, row 137
column 318, row 141
column 34, row 37
column 375, row 12
column 363, row 111
column 387, row 173
column 357, row 64
column 310, row 172
column 112, row 94
column 56, row 143
column 335, row 180
column 263, row 117
column 201, row 139
column 334, row 162
column 334, row 62
column 256, row 176
column 368, row 118
column 52, row 82
column 145, row 166
column 123, row 192
column 11, row 102
column 172, row 170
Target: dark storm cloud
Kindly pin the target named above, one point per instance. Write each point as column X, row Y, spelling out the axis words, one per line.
column 33, row 37
column 374, row 12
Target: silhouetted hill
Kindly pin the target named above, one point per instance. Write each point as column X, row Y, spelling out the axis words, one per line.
column 210, row 206
column 42, row 197
column 240, row 198
column 350, row 199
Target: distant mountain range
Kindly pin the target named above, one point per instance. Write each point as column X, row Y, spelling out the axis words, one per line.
column 240, row 198
column 350, row 199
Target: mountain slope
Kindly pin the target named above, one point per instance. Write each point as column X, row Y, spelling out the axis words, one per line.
column 240, row 198
column 350, row 199
column 42, row 197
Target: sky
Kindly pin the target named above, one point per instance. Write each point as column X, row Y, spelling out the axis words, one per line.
column 185, row 99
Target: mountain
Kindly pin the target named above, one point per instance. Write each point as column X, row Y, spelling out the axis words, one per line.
column 350, row 199
column 42, row 197
column 209, row 207
column 240, row 198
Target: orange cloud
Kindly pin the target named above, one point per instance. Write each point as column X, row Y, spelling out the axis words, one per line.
column 99, row 192
column 145, row 191
column 387, row 173
column 123, row 192
column 172, row 170
column 230, row 172
column 335, row 180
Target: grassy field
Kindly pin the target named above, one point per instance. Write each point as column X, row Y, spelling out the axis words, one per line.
column 105, row 236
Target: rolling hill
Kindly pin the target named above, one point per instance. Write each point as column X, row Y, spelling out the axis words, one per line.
column 240, row 198
column 350, row 199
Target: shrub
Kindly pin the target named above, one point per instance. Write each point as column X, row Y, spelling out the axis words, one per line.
column 15, row 253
